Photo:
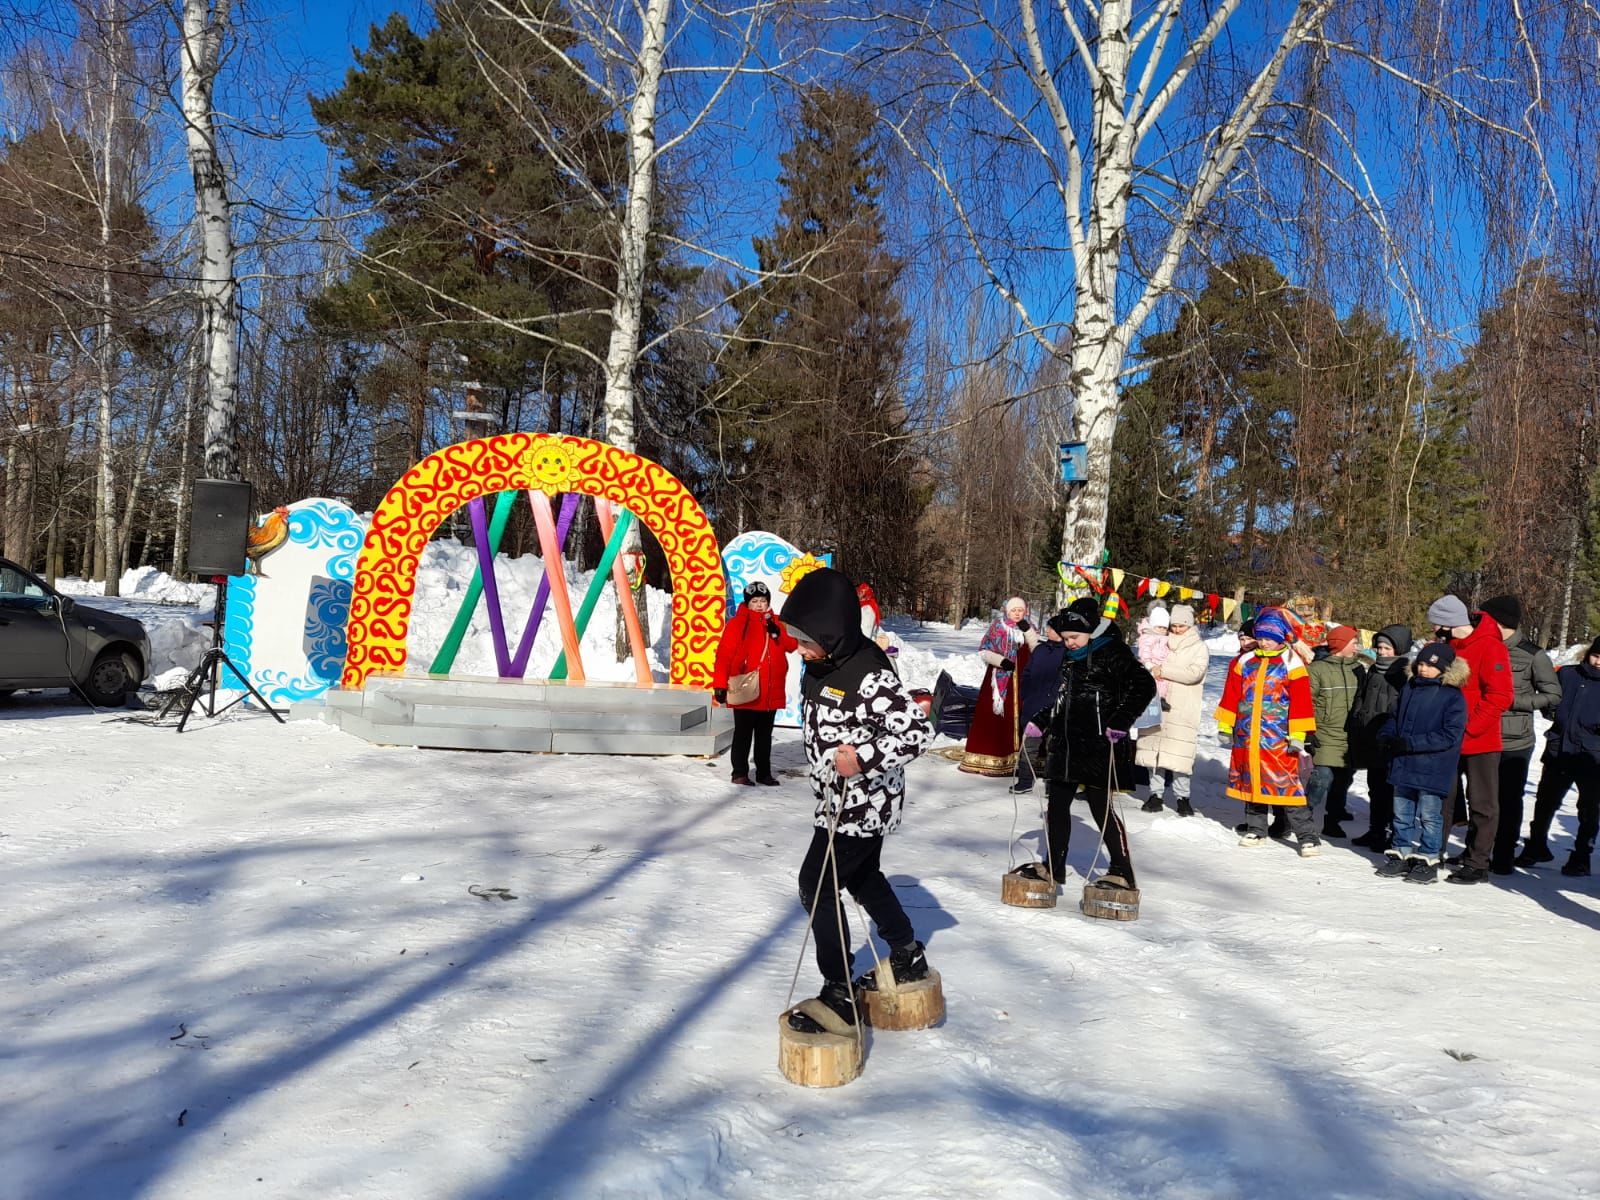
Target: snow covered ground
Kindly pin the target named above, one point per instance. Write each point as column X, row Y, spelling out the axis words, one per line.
column 245, row 962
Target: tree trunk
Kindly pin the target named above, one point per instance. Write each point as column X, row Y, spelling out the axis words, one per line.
column 628, row 304
column 180, row 516
column 1095, row 418
column 108, row 559
column 622, row 354
column 199, row 53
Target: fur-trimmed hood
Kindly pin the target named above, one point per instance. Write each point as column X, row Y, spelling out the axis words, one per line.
column 1455, row 675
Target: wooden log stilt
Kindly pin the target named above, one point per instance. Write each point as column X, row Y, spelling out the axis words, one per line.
column 1020, row 891
column 817, row 1060
column 914, row 1005
column 1109, row 901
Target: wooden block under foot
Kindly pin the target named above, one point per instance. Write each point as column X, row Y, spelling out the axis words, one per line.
column 914, row 1005
column 817, row 1060
column 1020, row 891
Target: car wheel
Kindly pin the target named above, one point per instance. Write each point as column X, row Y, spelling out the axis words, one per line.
column 109, row 681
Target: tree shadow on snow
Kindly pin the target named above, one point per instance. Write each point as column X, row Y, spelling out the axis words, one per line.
column 129, row 1125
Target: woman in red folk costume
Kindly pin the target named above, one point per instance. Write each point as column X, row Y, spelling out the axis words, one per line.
column 994, row 738
column 755, row 640
column 1265, row 716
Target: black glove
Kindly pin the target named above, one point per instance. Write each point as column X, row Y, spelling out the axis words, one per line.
column 1312, row 743
column 772, row 629
column 1023, row 625
column 1007, row 664
column 1391, row 743
column 722, row 695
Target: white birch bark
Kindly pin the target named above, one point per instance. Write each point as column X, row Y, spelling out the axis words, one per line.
column 627, row 310
column 200, row 47
column 108, row 559
column 1130, row 80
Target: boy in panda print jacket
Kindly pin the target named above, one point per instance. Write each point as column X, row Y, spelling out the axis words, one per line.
column 860, row 728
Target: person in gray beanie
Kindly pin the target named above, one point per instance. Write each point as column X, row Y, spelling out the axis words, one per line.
column 1488, row 694
column 1449, row 613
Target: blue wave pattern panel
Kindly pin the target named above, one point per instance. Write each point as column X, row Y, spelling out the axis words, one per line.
column 763, row 556
column 316, row 525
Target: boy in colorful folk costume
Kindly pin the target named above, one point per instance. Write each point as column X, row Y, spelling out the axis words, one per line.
column 1265, row 717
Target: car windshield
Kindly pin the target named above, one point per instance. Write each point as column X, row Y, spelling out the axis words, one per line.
column 20, row 590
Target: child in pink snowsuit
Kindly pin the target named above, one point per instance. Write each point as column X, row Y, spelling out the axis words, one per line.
column 1152, row 647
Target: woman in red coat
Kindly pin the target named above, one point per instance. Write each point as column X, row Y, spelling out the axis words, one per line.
column 755, row 640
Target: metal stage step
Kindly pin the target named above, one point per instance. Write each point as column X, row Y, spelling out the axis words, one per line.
column 482, row 713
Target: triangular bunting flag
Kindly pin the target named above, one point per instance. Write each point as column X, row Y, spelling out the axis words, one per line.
column 1144, row 586
column 1212, row 600
column 1229, row 607
column 1163, row 587
column 1116, row 578
column 1185, row 594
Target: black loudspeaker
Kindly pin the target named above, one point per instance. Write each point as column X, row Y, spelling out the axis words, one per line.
column 219, row 522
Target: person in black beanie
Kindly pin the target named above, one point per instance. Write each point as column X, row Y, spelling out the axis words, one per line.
column 754, row 641
column 860, row 727
column 1103, row 688
column 1571, row 756
column 1534, row 688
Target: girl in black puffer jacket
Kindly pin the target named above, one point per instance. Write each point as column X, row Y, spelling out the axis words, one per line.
column 1571, row 756
column 1103, row 690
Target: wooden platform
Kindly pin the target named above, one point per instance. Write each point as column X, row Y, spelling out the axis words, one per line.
column 538, row 717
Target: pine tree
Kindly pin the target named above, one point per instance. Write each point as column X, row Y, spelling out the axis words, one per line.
column 474, row 219
column 810, row 389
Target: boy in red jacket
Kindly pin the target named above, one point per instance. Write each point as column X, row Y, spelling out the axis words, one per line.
column 1489, row 693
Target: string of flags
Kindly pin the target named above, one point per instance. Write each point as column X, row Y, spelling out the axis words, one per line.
column 1108, row 581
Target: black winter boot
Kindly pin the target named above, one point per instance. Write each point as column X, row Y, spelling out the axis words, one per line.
column 1576, row 864
column 1532, row 855
column 908, row 964
column 838, row 999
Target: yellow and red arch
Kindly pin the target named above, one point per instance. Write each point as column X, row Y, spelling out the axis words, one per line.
column 386, row 571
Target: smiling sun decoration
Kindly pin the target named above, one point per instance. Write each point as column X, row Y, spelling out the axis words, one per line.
column 550, row 465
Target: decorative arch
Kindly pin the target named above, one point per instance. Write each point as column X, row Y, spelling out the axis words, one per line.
column 386, row 571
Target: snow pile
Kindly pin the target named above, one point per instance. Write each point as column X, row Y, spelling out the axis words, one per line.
column 1221, row 642
column 923, row 649
column 446, row 571
column 144, row 585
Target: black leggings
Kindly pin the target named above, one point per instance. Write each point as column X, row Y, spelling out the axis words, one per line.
column 1058, row 825
column 857, row 860
column 750, row 725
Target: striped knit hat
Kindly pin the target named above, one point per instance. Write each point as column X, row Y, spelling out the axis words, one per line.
column 1273, row 624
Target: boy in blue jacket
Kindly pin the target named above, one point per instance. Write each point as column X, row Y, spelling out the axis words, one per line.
column 1424, row 736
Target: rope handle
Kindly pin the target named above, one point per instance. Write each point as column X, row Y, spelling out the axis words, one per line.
column 831, row 862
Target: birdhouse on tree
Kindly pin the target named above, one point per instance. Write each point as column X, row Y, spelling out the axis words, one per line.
column 1074, row 462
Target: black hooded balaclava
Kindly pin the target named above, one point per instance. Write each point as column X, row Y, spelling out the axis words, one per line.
column 1399, row 637
column 823, row 608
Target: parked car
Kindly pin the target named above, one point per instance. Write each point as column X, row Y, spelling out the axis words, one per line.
column 51, row 640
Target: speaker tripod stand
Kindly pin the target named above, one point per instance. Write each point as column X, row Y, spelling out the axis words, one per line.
column 209, row 672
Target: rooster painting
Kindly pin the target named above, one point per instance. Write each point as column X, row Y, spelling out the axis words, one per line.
column 266, row 535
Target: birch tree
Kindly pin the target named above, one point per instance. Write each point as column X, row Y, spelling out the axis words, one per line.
column 204, row 25
column 1081, row 147
column 619, row 49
